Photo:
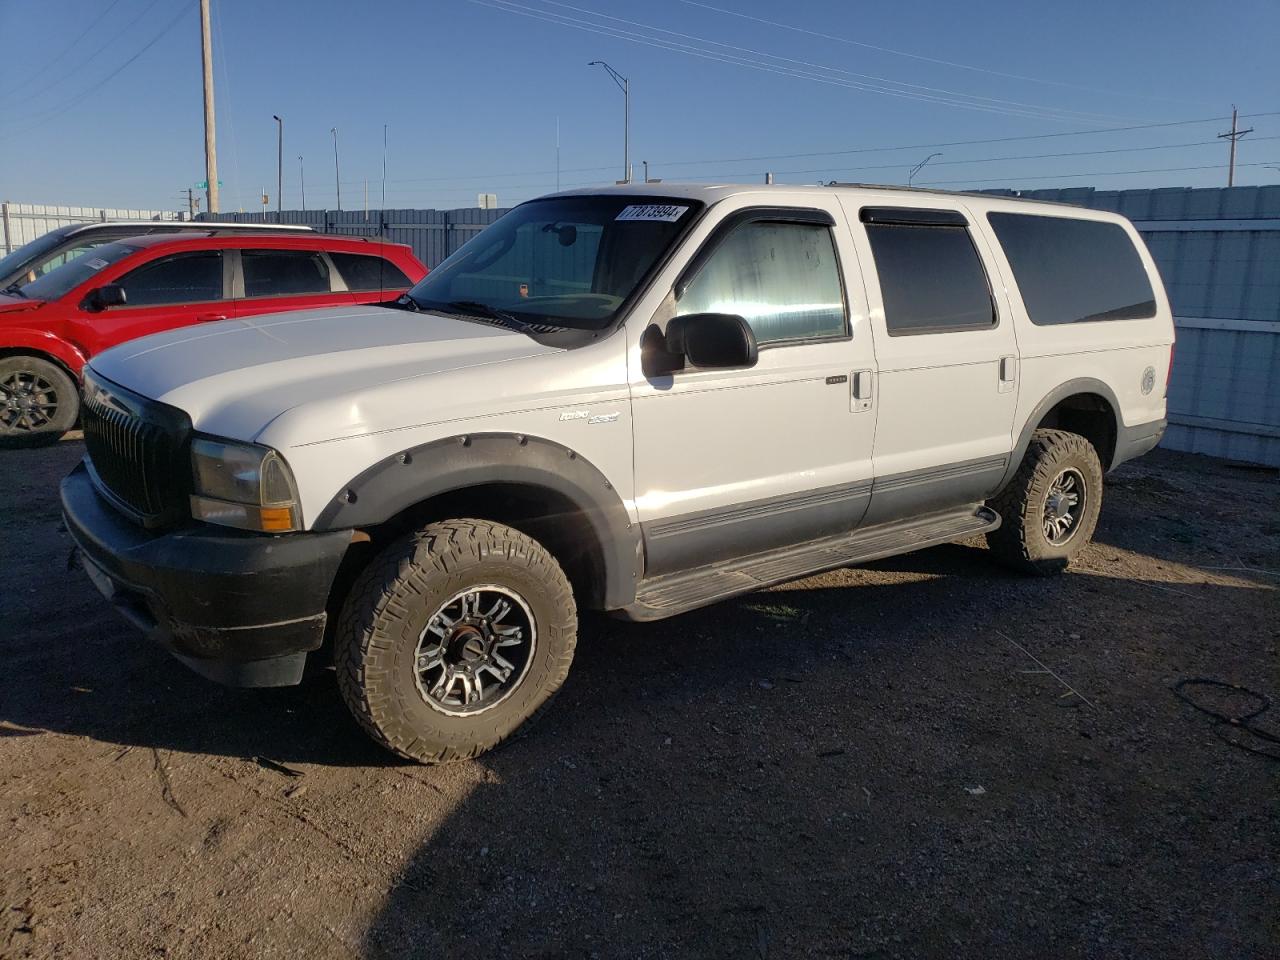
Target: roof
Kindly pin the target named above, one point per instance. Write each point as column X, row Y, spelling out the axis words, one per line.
column 880, row 193
column 187, row 225
column 310, row 240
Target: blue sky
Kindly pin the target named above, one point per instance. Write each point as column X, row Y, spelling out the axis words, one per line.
column 103, row 106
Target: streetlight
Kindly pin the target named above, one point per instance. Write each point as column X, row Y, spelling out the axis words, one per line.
column 625, row 86
column 279, row 164
column 916, row 169
column 336, row 182
column 302, row 179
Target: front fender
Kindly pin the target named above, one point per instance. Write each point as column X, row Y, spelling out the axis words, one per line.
column 25, row 340
column 456, row 463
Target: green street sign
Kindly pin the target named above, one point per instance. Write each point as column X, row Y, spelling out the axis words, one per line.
column 204, row 185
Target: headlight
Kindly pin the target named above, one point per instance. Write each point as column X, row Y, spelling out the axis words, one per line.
column 243, row 485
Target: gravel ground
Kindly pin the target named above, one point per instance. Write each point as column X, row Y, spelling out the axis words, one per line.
column 868, row 763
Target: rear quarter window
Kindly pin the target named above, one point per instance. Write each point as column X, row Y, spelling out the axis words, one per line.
column 363, row 272
column 1074, row 271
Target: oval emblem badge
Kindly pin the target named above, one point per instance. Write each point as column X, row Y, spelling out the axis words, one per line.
column 1148, row 380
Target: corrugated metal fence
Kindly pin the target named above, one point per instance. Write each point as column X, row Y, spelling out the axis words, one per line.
column 1219, row 253
column 24, row 222
column 433, row 234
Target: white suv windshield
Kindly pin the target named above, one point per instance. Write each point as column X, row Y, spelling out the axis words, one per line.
column 564, row 261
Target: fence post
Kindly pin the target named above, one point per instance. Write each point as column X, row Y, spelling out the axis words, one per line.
column 8, row 244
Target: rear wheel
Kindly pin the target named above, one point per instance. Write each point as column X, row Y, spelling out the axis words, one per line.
column 39, row 402
column 1050, row 507
column 453, row 638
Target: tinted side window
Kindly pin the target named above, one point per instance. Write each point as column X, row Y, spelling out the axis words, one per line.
column 931, row 279
column 184, row 278
column 369, row 273
column 782, row 277
column 1072, row 270
column 278, row 273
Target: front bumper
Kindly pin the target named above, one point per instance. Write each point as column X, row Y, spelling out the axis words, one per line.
column 239, row 608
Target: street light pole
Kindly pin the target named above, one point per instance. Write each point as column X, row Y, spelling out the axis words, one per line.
column 279, row 165
column 337, row 182
column 920, row 166
column 302, row 180
column 624, row 85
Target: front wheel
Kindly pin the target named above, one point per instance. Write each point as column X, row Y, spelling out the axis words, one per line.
column 453, row 638
column 1050, row 507
column 39, row 402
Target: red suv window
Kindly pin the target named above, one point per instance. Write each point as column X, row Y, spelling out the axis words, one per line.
column 278, row 273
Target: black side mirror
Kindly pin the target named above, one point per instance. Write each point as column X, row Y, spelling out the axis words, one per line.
column 108, row 295
column 713, row 340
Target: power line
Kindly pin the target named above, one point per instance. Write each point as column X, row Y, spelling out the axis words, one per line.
column 925, row 59
column 509, row 6
column 68, row 104
column 804, row 63
column 1099, row 173
column 85, row 61
column 65, row 50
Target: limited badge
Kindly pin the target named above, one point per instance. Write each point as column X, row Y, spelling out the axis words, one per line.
column 1148, row 380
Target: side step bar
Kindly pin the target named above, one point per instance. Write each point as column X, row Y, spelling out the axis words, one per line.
column 676, row 593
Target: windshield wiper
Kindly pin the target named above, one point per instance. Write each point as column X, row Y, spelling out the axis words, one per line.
column 14, row 290
column 477, row 308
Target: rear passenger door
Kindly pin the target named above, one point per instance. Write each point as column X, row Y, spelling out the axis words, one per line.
column 274, row 280
column 947, row 384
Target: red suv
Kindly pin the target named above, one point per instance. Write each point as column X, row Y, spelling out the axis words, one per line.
column 130, row 288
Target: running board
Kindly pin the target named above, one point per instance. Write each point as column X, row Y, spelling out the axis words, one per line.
column 675, row 593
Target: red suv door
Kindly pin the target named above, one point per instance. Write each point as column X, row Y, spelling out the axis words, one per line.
column 162, row 294
column 270, row 280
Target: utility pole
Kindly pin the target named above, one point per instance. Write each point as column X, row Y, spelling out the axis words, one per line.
column 384, row 172
column 624, row 85
column 302, row 179
column 646, row 170
column 210, row 139
column 279, row 165
column 337, row 182
column 1233, row 135
column 191, row 203
column 920, row 166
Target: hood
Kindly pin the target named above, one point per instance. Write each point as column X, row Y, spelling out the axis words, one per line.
column 11, row 303
column 236, row 376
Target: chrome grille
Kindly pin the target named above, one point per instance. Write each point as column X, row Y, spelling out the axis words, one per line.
column 138, row 452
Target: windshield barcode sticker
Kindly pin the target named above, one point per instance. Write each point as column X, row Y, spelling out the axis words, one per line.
column 665, row 212
column 97, row 263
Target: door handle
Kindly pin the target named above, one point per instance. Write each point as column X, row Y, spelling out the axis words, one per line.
column 210, row 317
column 863, row 393
column 1008, row 373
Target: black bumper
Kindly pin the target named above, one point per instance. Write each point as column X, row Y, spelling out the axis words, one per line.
column 240, row 608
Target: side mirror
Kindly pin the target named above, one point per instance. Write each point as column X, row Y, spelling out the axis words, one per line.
column 109, row 295
column 713, row 340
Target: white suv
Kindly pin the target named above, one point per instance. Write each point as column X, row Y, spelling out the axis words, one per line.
column 639, row 400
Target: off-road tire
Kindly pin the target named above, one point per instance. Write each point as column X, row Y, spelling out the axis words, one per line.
column 1020, row 541
column 389, row 606
column 62, row 388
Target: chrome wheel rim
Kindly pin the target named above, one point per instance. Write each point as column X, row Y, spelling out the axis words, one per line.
column 1064, row 505
column 475, row 650
column 28, row 402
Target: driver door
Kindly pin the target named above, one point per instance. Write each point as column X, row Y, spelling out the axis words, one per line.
column 730, row 462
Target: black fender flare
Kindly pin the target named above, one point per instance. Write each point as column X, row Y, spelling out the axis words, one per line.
column 419, row 473
column 1051, row 400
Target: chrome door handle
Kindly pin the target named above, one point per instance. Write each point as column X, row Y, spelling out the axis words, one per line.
column 210, row 317
column 863, row 392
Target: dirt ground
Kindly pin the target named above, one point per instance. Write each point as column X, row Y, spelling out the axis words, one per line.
column 869, row 763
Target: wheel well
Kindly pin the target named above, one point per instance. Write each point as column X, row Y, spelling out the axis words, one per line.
column 550, row 518
column 1089, row 415
column 49, row 357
